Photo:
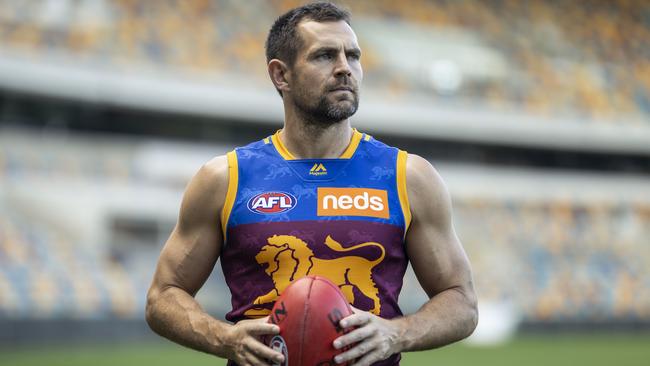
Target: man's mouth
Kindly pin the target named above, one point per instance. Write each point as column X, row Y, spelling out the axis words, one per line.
column 344, row 88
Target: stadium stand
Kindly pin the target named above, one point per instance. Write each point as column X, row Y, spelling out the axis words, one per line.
column 45, row 275
column 54, row 260
column 563, row 260
column 584, row 59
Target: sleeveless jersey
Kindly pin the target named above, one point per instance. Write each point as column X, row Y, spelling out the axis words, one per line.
column 345, row 219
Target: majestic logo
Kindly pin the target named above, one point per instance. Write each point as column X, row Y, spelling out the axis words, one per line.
column 353, row 202
column 318, row 169
column 272, row 202
column 278, row 344
column 287, row 258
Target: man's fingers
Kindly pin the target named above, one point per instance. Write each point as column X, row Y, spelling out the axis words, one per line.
column 258, row 329
column 263, row 320
column 355, row 320
column 262, row 351
column 354, row 336
column 252, row 359
column 255, row 352
column 355, row 352
column 368, row 359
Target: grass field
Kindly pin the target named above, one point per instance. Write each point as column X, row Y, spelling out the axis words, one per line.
column 590, row 350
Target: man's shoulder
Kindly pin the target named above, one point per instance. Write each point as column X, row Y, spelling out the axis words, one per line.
column 417, row 164
column 421, row 176
column 426, row 188
column 206, row 191
column 212, row 177
column 215, row 168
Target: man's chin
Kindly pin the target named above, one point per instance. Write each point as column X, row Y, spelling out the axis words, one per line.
column 346, row 103
column 340, row 113
column 331, row 110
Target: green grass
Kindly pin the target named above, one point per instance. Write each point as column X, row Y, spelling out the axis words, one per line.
column 591, row 350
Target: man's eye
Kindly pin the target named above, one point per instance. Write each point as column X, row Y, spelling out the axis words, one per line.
column 324, row 56
column 354, row 56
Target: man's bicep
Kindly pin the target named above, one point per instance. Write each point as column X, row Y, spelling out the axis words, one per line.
column 186, row 262
column 435, row 252
column 438, row 261
column 193, row 248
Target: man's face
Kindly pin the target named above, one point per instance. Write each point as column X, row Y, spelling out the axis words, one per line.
column 327, row 72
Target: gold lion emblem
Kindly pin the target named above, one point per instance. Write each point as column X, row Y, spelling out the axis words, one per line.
column 288, row 258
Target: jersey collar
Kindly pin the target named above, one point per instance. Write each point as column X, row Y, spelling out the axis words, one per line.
column 347, row 154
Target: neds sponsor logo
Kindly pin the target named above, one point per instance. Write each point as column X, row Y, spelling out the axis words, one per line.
column 353, row 202
column 272, row 202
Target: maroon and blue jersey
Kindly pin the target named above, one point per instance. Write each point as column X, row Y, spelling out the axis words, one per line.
column 344, row 219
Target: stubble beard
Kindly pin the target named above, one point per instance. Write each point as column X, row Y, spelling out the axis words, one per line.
column 325, row 113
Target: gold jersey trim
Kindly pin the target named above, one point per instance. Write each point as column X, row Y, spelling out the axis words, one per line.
column 347, row 154
column 231, row 194
column 401, row 188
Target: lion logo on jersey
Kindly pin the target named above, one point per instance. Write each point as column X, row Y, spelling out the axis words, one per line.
column 288, row 258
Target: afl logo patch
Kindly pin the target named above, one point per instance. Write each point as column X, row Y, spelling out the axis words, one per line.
column 278, row 344
column 272, row 202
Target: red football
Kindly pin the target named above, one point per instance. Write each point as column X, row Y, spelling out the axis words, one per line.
column 308, row 313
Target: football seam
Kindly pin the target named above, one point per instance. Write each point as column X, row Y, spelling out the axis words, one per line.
column 305, row 318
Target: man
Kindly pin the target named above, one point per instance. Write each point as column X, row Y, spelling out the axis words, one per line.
column 318, row 197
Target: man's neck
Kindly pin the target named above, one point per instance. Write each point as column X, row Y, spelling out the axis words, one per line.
column 306, row 141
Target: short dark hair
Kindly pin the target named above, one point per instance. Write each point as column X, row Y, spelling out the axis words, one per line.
column 284, row 42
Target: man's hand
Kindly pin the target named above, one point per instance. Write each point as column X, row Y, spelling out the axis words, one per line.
column 374, row 338
column 242, row 344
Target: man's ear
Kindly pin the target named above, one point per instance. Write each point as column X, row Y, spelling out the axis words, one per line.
column 280, row 75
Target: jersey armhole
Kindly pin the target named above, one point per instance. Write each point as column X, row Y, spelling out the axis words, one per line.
column 231, row 193
column 401, row 189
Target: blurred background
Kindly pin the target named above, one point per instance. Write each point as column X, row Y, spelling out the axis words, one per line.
column 536, row 113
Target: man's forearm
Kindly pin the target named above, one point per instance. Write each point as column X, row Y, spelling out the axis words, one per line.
column 446, row 318
column 175, row 315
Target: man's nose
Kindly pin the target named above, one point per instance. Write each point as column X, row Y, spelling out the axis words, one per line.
column 342, row 67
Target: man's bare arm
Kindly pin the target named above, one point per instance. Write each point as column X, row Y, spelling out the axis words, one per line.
column 440, row 264
column 185, row 264
column 442, row 269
